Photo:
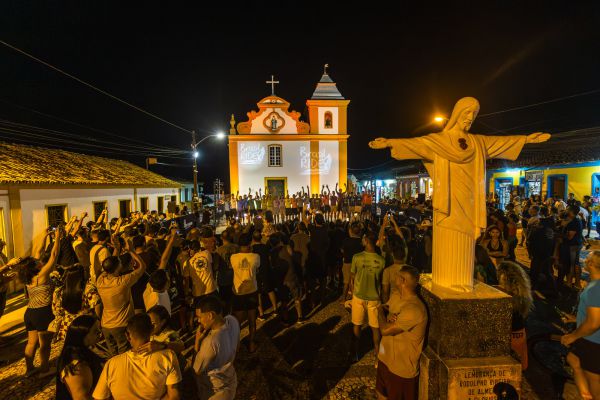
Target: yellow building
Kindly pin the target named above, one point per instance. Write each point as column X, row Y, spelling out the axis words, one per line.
column 554, row 180
column 276, row 150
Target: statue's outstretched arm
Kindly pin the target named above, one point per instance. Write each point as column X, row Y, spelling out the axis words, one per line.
column 538, row 137
column 403, row 149
column 380, row 143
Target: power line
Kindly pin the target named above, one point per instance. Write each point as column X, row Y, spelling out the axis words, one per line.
column 17, row 125
column 372, row 167
column 28, row 137
column 93, row 87
column 78, row 124
column 540, row 103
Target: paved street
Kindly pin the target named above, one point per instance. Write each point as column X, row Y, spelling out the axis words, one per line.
column 298, row 362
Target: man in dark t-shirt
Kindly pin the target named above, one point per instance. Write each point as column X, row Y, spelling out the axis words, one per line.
column 317, row 253
column 350, row 246
column 264, row 275
column 572, row 241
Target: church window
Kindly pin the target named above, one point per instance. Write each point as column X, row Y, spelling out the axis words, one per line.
column 275, row 155
column 328, row 120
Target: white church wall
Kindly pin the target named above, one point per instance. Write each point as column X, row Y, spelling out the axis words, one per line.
column 334, row 119
column 288, row 127
column 329, row 163
column 253, row 164
column 34, row 202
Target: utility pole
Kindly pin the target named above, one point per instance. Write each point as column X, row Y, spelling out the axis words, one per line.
column 195, row 190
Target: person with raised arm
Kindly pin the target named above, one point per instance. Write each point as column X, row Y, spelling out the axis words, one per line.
column 114, row 287
column 35, row 275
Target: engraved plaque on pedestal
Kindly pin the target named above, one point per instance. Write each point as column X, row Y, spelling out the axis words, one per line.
column 475, row 378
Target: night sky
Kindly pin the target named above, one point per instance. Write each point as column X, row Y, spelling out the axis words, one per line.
column 197, row 66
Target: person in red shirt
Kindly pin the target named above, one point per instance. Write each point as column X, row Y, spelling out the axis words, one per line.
column 367, row 201
column 326, row 207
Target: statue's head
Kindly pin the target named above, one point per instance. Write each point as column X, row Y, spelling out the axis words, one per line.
column 464, row 114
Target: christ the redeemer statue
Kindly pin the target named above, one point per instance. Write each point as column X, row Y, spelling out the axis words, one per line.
column 455, row 160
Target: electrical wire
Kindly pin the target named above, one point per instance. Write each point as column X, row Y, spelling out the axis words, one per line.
column 93, row 87
column 27, row 136
column 540, row 103
column 372, row 167
column 102, row 131
column 17, row 125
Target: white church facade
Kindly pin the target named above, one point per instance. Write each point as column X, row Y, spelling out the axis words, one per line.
column 275, row 149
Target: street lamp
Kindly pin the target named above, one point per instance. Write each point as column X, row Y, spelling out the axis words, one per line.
column 219, row 135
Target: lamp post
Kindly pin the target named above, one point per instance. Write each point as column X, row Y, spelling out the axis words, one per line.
column 219, row 135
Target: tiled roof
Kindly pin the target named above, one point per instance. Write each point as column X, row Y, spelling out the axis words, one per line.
column 37, row 165
column 326, row 90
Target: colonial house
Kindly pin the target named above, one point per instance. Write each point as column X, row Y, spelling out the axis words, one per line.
column 568, row 163
column 41, row 187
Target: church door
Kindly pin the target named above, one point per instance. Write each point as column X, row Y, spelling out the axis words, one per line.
column 276, row 186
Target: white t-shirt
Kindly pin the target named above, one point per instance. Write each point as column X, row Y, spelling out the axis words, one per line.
column 244, row 267
column 199, row 269
column 98, row 254
column 132, row 376
column 584, row 215
column 152, row 298
column 213, row 365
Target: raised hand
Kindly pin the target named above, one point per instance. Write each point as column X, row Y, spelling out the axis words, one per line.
column 379, row 143
column 538, row 137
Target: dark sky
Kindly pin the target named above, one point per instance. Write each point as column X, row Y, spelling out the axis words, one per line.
column 196, row 66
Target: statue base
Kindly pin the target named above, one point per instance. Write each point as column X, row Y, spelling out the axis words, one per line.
column 468, row 343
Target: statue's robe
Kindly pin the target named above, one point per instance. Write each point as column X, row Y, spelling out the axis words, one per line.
column 459, row 182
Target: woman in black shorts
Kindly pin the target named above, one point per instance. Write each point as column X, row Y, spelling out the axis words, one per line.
column 36, row 277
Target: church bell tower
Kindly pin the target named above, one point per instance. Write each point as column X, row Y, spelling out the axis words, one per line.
column 327, row 114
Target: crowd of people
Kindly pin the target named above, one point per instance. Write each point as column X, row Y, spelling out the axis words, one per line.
column 554, row 232
column 130, row 287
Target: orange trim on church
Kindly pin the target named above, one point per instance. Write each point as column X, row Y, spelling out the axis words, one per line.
column 284, row 137
column 272, row 102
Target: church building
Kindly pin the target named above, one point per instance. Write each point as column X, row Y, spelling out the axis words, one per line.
column 276, row 150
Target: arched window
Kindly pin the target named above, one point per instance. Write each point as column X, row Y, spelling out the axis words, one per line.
column 328, row 120
column 274, row 155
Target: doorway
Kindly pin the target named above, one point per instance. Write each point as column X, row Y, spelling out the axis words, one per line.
column 276, row 186
column 557, row 186
column 595, row 198
column 3, row 232
column 503, row 188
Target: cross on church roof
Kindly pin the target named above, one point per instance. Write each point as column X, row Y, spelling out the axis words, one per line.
column 272, row 82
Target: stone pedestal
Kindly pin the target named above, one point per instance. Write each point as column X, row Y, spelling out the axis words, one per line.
column 468, row 343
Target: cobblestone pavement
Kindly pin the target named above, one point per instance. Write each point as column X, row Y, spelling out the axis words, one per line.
column 307, row 361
